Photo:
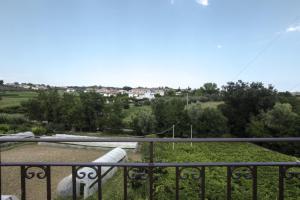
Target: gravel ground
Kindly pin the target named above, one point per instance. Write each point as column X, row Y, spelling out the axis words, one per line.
column 36, row 189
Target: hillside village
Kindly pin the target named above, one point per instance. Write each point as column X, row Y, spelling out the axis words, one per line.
column 138, row 93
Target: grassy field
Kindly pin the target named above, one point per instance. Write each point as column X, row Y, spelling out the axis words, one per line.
column 211, row 104
column 215, row 176
column 14, row 98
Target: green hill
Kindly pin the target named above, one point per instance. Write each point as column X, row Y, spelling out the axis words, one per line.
column 14, row 98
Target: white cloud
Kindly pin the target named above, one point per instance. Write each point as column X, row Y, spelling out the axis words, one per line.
column 293, row 28
column 202, row 2
column 219, row 46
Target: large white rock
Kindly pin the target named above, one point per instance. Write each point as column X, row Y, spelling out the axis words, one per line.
column 123, row 145
column 8, row 197
column 89, row 186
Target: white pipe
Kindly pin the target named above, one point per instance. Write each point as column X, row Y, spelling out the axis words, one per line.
column 64, row 188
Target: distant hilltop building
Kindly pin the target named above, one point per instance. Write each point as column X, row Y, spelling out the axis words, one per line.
column 145, row 93
column 28, row 86
column 138, row 93
column 70, row 90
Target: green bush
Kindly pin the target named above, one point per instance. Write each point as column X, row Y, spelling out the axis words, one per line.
column 39, row 130
column 207, row 121
column 143, row 123
column 24, row 127
column 12, row 118
column 4, row 128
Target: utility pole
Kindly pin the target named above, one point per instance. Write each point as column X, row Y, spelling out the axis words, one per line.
column 173, row 136
column 187, row 99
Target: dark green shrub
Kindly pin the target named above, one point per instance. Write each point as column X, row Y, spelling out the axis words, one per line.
column 12, row 118
column 4, row 128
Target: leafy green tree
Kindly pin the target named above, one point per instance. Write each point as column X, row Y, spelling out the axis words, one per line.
column 52, row 106
column 1, row 82
column 171, row 112
column 170, row 92
column 287, row 97
column 114, row 115
column 33, row 109
column 209, row 89
column 280, row 121
column 127, row 88
column 72, row 111
column 92, row 107
column 243, row 100
column 45, row 107
column 143, row 122
column 207, row 121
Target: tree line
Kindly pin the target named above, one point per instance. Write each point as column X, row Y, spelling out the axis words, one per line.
column 248, row 110
column 79, row 112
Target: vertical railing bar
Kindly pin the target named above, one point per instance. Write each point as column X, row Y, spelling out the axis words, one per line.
column 229, row 175
column 151, row 182
column 99, row 182
column 125, row 182
column 281, row 183
column 23, row 184
column 151, row 149
column 177, row 183
column 254, row 184
column 48, row 176
column 203, row 183
column 74, row 172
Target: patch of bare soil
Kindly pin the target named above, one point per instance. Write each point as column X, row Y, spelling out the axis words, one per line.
column 35, row 188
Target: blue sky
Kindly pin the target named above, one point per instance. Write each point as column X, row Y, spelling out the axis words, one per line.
column 150, row 42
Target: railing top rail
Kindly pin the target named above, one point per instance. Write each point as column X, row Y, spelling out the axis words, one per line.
column 171, row 164
column 132, row 139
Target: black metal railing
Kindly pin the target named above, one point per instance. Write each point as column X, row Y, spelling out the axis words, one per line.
column 146, row 171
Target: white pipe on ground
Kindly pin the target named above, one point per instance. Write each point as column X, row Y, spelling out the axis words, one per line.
column 86, row 187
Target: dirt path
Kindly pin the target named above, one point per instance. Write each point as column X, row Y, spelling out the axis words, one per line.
column 36, row 189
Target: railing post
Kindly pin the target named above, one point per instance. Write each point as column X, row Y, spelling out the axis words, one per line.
column 177, row 183
column 74, row 173
column 151, row 182
column 23, row 184
column 125, row 183
column 229, row 175
column 254, row 184
column 203, row 183
column 281, row 182
column 151, row 171
column 48, row 176
column 99, row 182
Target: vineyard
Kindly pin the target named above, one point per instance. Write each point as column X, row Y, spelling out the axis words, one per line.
column 215, row 176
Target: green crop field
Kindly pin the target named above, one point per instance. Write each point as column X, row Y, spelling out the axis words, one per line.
column 215, row 176
column 14, row 98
